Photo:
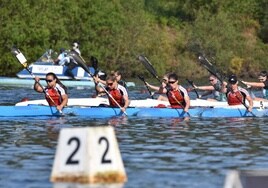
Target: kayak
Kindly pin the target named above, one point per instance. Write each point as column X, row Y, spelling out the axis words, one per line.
column 98, row 101
column 107, row 112
column 202, row 112
column 28, row 82
column 138, row 103
column 40, row 110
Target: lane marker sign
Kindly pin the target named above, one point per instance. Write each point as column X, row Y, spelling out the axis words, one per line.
column 88, row 155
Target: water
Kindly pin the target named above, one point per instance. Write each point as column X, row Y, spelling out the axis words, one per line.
column 155, row 152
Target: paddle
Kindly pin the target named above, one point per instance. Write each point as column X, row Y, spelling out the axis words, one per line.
column 208, row 65
column 148, row 66
column 95, row 64
column 151, row 69
column 81, row 62
column 142, row 79
column 192, row 84
column 21, row 58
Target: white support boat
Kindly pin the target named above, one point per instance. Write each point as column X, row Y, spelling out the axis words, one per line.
column 76, row 77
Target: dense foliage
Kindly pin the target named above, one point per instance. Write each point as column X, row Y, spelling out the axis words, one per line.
column 233, row 34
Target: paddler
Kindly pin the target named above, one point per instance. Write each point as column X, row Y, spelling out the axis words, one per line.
column 236, row 95
column 177, row 95
column 263, row 84
column 214, row 89
column 116, row 92
column 56, row 92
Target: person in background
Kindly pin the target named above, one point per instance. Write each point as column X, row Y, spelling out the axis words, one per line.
column 71, row 64
column 156, row 88
column 116, row 74
column 214, row 89
column 116, row 92
column 62, row 58
column 263, row 84
column 236, row 95
column 176, row 94
column 119, row 79
column 56, row 92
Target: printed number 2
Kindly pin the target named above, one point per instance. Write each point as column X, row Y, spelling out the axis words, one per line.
column 103, row 159
column 70, row 160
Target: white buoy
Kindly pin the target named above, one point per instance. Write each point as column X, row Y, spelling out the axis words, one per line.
column 257, row 178
column 88, row 155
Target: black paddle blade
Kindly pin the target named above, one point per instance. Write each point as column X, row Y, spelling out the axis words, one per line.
column 80, row 61
column 94, row 63
column 141, row 78
column 210, row 67
column 190, row 82
column 148, row 66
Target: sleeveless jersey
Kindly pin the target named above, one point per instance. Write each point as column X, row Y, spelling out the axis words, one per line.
column 55, row 94
column 238, row 97
column 117, row 94
column 176, row 97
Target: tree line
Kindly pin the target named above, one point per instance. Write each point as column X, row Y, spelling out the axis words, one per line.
column 171, row 34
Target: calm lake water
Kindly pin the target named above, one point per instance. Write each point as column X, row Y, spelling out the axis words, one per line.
column 155, row 152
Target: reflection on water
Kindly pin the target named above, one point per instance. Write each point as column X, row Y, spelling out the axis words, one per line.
column 156, row 152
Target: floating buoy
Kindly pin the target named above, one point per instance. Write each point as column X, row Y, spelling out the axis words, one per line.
column 88, row 155
column 246, row 178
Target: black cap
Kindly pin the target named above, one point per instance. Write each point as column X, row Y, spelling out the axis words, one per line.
column 232, row 79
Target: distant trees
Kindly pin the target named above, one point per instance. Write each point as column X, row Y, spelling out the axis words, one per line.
column 170, row 33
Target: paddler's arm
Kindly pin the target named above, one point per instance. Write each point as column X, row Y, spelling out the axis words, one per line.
column 162, row 88
column 63, row 103
column 250, row 102
column 156, row 88
column 224, row 87
column 97, row 87
column 254, row 84
column 187, row 103
column 126, row 99
column 37, row 86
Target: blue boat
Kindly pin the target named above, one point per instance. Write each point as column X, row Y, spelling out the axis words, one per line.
column 40, row 110
column 201, row 112
column 107, row 112
column 46, row 64
column 71, row 77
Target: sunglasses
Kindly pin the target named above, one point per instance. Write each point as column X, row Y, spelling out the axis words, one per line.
column 171, row 82
column 48, row 81
column 110, row 84
column 211, row 80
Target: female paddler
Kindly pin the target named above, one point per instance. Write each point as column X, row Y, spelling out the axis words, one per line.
column 177, row 95
column 117, row 94
column 235, row 94
column 56, row 92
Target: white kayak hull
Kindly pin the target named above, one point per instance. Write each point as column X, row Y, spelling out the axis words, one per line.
column 140, row 103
